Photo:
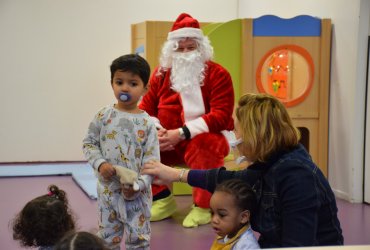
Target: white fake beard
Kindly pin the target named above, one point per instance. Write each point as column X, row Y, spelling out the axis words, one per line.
column 187, row 71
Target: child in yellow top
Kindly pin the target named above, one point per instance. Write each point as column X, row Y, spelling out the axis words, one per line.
column 231, row 206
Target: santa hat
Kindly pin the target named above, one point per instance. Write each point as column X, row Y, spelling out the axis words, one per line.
column 185, row 26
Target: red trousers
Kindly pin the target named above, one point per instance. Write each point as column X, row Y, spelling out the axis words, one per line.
column 204, row 151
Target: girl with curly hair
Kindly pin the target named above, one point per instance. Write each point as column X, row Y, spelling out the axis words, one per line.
column 44, row 220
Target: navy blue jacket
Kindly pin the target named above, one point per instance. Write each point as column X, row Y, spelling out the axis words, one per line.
column 296, row 206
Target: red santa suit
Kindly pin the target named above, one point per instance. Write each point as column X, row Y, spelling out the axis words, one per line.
column 206, row 111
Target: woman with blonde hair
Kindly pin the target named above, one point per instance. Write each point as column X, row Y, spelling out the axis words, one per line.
column 295, row 203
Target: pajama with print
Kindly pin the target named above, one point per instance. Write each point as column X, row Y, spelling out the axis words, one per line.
column 128, row 140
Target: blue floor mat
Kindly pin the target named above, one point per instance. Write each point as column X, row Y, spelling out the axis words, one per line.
column 82, row 173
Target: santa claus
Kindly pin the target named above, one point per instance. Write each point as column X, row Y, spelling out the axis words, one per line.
column 191, row 100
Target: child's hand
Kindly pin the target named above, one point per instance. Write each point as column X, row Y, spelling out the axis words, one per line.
column 107, row 170
column 128, row 192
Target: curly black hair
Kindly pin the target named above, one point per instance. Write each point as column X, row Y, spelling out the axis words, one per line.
column 245, row 197
column 44, row 220
column 81, row 240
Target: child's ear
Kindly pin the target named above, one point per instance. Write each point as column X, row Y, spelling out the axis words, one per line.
column 245, row 217
column 146, row 88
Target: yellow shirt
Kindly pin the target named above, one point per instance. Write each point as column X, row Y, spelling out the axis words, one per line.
column 219, row 244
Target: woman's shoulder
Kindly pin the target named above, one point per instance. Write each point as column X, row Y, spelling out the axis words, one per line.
column 296, row 156
column 294, row 167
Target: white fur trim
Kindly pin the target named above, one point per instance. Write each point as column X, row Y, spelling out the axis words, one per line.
column 197, row 126
column 185, row 32
column 193, row 106
column 192, row 103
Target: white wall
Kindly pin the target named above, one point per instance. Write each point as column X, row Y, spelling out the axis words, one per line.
column 367, row 129
column 54, row 66
column 55, row 57
column 348, row 71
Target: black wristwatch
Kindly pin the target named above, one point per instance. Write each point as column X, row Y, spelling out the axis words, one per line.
column 185, row 133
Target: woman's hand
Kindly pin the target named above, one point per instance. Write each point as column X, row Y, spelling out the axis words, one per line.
column 164, row 174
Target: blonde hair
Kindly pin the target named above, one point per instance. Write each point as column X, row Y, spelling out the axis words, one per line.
column 266, row 126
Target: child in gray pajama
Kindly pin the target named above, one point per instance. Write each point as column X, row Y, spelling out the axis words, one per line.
column 122, row 134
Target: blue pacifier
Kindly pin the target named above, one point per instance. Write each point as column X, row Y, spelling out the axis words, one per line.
column 125, row 97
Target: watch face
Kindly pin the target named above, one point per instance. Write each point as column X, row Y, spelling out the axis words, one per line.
column 182, row 134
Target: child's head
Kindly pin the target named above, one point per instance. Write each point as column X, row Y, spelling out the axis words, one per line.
column 265, row 127
column 132, row 63
column 232, row 204
column 44, row 220
column 80, row 240
column 129, row 79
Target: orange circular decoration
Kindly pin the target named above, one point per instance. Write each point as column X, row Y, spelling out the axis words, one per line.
column 286, row 72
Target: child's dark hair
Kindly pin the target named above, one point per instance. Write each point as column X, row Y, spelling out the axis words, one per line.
column 245, row 197
column 131, row 63
column 44, row 220
column 80, row 240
